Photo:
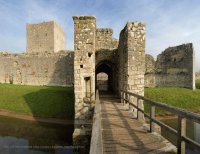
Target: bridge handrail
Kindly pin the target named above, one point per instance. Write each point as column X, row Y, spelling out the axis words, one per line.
column 96, row 138
column 182, row 116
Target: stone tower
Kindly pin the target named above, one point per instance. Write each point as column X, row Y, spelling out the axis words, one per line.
column 131, row 52
column 45, row 37
column 84, row 63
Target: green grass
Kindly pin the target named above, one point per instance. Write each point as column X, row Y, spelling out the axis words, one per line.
column 58, row 102
column 198, row 84
column 179, row 97
column 41, row 101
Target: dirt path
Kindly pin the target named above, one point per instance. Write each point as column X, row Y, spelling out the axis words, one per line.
column 36, row 119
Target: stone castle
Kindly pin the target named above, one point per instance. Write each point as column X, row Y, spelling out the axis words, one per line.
column 47, row 62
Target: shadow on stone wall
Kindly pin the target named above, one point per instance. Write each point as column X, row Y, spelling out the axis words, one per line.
column 54, row 105
column 106, row 62
column 63, row 74
column 54, row 102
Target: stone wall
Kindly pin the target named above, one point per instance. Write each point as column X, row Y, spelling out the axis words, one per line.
column 131, row 53
column 104, row 39
column 106, row 54
column 84, row 63
column 46, row 37
column 59, row 38
column 149, row 71
column 42, row 69
column 175, row 67
column 197, row 76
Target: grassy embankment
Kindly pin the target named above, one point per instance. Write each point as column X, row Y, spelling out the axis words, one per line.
column 41, row 101
column 179, row 97
column 58, row 102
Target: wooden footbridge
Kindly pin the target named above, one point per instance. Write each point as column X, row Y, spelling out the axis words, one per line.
column 117, row 130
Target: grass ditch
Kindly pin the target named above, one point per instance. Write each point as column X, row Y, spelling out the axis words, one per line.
column 39, row 101
column 179, row 97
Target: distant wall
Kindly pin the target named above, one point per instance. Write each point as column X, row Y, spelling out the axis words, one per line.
column 45, row 69
column 149, row 71
column 104, row 39
column 174, row 67
column 197, row 76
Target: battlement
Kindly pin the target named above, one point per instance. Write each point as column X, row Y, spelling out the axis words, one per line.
column 104, row 31
column 104, row 39
column 84, row 17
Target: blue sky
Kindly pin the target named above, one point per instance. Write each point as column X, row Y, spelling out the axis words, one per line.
column 168, row 22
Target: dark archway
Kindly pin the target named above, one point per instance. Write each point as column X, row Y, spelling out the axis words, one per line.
column 107, row 68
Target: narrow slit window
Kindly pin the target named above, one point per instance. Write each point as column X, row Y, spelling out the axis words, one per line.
column 89, row 54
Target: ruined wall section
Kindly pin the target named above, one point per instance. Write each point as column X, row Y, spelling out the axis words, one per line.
column 84, row 64
column 175, row 67
column 104, row 39
column 26, row 69
column 149, row 71
column 46, row 37
column 197, row 76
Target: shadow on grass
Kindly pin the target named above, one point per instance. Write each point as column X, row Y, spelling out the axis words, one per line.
column 52, row 102
column 49, row 103
column 44, row 102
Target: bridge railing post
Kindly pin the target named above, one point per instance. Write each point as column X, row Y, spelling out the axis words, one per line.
column 152, row 116
column 122, row 97
column 126, row 99
column 140, row 115
column 129, row 100
column 181, row 132
column 138, row 107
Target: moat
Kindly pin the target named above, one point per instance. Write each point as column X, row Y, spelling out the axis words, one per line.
column 20, row 136
column 192, row 131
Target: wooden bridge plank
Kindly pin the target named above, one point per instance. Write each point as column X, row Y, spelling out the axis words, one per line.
column 122, row 133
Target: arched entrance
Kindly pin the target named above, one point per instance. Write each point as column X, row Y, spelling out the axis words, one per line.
column 104, row 76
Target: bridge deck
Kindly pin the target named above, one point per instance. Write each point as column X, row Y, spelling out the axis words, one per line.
column 121, row 133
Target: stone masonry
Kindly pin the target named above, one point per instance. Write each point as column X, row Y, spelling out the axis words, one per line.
column 104, row 39
column 197, row 75
column 39, row 69
column 45, row 37
column 84, row 63
column 173, row 67
column 132, row 59
column 149, row 71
